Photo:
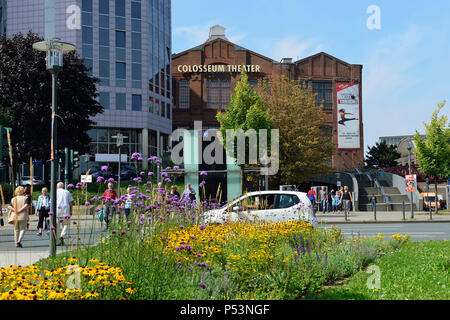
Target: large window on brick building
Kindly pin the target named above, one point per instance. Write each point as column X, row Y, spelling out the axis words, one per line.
column 218, row 89
column 324, row 90
column 184, row 94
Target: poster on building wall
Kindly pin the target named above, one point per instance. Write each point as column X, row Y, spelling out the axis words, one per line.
column 348, row 130
column 410, row 183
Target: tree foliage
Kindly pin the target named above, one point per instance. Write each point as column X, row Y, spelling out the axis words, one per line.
column 382, row 155
column 245, row 111
column 433, row 153
column 26, row 97
column 305, row 147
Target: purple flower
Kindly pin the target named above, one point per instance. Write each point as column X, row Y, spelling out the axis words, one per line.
column 113, row 232
column 176, row 167
column 100, row 179
column 70, row 186
column 168, row 168
column 135, row 156
column 203, row 173
column 141, row 173
column 52, row 228
column 123, row 232
column 164, row 174
column 168, row 180
column 104, row 168
column 140, row 159
column 51, row 213
column 202, row 285
column 87, row 203
column 150, row 174
column 202, row 227
column 202, row 184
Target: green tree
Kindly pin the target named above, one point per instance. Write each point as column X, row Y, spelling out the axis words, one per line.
column 245, row 111
column 305, row 145
column 382, row 156
column 25, row 99
column 433, row 152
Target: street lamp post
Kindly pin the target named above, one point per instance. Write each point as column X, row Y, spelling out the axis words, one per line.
column 54, row 61
column 120, row 137
column 410, row 172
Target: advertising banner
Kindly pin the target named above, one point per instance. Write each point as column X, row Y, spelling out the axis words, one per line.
column 348, row 129
column 410, row 183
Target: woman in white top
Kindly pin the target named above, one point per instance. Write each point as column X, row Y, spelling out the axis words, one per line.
column 43, row 208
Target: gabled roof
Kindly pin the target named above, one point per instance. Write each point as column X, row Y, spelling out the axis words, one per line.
column 322, row 54
column 236, row 47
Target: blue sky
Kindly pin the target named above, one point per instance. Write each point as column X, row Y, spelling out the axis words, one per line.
column 406, row 63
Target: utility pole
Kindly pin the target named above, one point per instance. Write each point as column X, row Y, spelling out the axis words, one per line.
column 410, row 172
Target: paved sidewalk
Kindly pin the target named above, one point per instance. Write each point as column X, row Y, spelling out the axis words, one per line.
column 36, row 248
column 382, row 217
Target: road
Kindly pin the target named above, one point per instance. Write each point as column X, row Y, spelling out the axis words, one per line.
column 417, row 231
column 36, row 248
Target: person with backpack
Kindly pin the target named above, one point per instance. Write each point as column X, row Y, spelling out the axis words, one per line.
column 312, row 198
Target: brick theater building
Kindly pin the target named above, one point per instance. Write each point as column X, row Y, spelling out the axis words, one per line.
column 204, row 78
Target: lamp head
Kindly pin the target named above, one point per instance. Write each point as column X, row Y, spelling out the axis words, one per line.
column 55, row 50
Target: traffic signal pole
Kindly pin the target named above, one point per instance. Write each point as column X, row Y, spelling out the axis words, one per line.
column 66, row 167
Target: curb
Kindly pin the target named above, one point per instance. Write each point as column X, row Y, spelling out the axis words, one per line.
column 382, row 222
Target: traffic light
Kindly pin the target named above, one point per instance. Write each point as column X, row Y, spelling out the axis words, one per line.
column 4, row 150
column 60, row 157
column 74, row 160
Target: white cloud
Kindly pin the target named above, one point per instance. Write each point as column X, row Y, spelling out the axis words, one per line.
column 292, row 47
column 191, row 36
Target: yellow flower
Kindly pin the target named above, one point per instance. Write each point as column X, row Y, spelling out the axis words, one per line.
column 131, row 290
column 90, row 295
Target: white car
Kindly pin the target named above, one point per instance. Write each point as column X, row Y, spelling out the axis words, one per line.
column 265, row 206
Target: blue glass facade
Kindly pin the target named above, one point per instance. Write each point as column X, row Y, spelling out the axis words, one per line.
column 126, row 44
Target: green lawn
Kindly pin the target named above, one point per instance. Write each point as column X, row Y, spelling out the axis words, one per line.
column 417, row 271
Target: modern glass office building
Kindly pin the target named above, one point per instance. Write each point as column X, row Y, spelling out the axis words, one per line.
column 127, row 43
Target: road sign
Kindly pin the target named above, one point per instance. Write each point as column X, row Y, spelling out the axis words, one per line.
column 86, row 179
column 410, row 183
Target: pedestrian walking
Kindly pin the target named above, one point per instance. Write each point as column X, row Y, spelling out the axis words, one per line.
column 373, row 202
column 312, row 198
column 346, row 200
column 18, row 215
column 174, row 193
column 29, row 201
column 43, row 208
column 189, row 194
column 337, row 203
column 323, row 199
column 64, row 207
column 108, row 206
column 331, row 195
column 128, row 203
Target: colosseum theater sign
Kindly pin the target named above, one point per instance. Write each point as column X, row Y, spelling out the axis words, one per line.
column 218, row 68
